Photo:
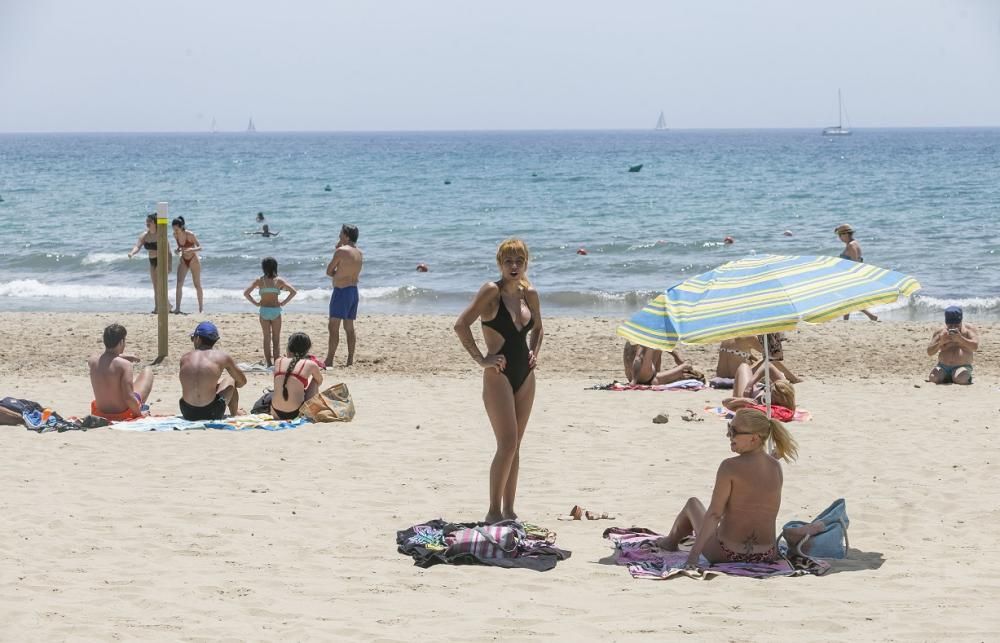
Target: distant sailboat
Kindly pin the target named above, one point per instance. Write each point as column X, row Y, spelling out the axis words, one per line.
column 661, row 123
column 214, row 130
column 839, row 129
column 251, row 128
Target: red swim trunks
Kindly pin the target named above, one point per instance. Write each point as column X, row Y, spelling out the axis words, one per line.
column 127, row 414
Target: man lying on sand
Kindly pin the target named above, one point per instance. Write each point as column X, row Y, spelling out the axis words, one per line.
column 956, row 343
column 209, row 378
column 644, row 367
column 116, row 395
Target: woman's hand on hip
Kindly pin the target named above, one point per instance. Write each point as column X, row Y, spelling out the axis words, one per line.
column 499, row 362
column 532, row 360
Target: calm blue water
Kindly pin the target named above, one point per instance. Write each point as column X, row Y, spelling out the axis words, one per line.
column 924, row 202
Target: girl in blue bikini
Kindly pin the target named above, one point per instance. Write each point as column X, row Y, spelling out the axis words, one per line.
column 269, row 286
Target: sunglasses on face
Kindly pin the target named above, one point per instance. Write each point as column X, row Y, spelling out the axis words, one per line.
column 730, row 432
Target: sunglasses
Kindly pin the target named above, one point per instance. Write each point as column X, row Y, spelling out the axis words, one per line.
column 730, row 432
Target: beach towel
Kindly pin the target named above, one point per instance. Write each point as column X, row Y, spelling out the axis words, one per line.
column 635, row 549
column 509, row 544
column 721, row 412
column 237, row 423
column 256, row 367
column 721, row 382
column 680, row 385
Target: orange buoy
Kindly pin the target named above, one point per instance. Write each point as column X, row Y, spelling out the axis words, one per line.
column 581, row 251
column 422, row 267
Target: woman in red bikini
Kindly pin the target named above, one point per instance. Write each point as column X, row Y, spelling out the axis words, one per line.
column 187, row 247
column 739, row 524
column 296, row 378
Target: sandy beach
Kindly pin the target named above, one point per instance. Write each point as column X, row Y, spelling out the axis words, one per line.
column 291, row 535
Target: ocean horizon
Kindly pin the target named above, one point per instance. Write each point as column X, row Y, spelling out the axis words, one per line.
column 924, row 202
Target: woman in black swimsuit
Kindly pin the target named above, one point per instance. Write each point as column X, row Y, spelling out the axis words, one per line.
column 509, row 310
column 147, row 240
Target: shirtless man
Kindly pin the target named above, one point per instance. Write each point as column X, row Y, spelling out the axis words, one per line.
column 956, row 343
column 209, row 378
column 344, row 269
column 116, row 395
column 644, row 368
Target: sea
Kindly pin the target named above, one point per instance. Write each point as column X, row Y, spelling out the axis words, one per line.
column 603, row 240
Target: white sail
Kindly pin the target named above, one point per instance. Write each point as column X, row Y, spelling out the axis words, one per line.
column 251, row 127
column 661, row 122
column 213, row 125
column 839, row 129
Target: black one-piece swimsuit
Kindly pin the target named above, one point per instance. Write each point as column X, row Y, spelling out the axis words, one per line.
column 515, row 345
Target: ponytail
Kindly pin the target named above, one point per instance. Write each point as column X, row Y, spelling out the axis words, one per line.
column 785, row 447
column 298, row 345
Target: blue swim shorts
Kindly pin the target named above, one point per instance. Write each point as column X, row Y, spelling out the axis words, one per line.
column 344, row 303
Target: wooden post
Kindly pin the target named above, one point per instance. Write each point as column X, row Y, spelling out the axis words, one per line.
column 162, row 271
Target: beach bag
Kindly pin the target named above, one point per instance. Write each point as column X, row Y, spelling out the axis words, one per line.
column 832, row 542
column 263, row 404
column 331, row 405
column 500, row 540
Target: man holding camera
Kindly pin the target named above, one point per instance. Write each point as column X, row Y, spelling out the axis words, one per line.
column 956, row 343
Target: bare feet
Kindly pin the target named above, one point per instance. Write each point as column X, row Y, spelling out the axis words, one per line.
column 493, row 517
column 328, row 361
column 509, row 515
column 350, row 360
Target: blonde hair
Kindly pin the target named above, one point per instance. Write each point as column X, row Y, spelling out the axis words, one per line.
column 783, row 394
column 785, row 447
column 515, row 248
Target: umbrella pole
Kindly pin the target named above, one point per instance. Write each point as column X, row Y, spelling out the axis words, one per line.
column 767, row 377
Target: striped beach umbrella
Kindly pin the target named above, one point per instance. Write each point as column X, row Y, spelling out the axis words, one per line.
column 764, row 294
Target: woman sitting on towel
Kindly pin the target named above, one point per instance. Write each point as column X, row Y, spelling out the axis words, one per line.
column 752, row 395
column 296, row 378
column 739, row 524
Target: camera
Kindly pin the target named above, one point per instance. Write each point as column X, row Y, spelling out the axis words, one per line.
column 952, row 331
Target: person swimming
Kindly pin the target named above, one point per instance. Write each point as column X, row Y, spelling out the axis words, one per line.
column 264, row 232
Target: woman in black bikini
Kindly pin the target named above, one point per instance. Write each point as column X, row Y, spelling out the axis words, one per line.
column 739, row 524
column 509, row 310
column 296, row 378
column 187, row 247
column 147, row 240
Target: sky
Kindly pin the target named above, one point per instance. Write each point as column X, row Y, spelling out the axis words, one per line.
column 378, row 65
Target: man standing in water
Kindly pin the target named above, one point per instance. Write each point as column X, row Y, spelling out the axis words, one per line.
column 344, row 269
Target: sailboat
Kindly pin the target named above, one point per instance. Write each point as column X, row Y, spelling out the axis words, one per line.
column 250, row 127
column 839, row 129
column 214, row 129
column 661, row 123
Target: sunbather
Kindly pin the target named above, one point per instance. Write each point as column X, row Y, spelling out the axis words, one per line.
column 733, row 352
column 750, row 395
column 739, row 524
column 117, row 396
column 645, row 368
column 209, row 378
column 955, row 345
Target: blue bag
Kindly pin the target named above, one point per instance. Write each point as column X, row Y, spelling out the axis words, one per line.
column 831, row 542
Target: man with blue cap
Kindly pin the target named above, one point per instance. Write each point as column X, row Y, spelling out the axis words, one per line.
column 209, row 378
column 955, row 344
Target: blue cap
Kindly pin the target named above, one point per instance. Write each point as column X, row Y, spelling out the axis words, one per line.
column 207, row 330
column 953, row 315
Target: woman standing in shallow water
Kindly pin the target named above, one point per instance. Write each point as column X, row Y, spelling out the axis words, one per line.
column 509, row 310
column 188, row 247
column 852, row 252
column 147, row 240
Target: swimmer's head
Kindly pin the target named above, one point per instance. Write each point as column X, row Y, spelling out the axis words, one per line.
column 178, row 223
column 260, row 216
column 265, row 228
column 270, row 267
column 844, row 229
